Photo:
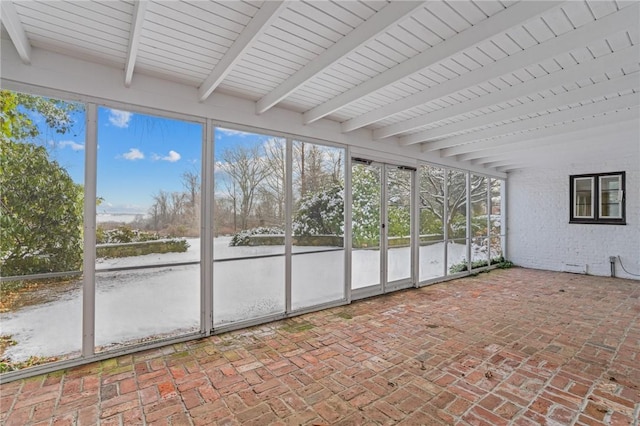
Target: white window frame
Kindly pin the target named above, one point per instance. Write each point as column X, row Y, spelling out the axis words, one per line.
column 620, row 195
column 575, row 198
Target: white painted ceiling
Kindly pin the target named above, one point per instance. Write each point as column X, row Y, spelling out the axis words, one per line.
column 484, row 82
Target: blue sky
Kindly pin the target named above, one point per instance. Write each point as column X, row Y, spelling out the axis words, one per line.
column 138, row 155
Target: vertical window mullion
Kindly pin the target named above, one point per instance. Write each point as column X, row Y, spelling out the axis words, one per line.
column 288, row 227
column 468, row 208
column 445, row 219
column 415, row 226
column 206, row 229
column 348, row 235
column 89, row 259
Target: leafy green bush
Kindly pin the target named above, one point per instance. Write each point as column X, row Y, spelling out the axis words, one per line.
column 41, row 212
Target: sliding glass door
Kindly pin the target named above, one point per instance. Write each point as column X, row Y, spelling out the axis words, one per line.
column 382, row 220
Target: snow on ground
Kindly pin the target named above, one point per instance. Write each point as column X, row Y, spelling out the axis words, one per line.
column 141, row 303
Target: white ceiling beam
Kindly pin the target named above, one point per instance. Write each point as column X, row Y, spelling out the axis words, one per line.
column 613, row 137
column 612, row 62
column 471, row 37
column 139, row 10
column 609, row 87
column 12, row 23
column 547, row 136
column 466, row 143
column 567, row 42
column 496, row 164
column 371, row 28
column 260, row 22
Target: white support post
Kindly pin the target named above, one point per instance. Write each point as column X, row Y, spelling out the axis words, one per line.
column 384, row 231
column 288, row 227
column 468, row 208
column 445, row 224
column 488, row 233
column 206, row 230
column 348, row 235
column 89, row 259
column 503, row 218
column 415, row 226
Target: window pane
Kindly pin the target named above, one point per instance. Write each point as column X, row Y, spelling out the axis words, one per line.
column 496, row 207
column 457, row 220
column 456, row 256
column 610, row 197
column 496, row 249
column 432, row 181
column 583, row 197
column 365, row 257
column 398, row 224
column 148, row 220
column 479, row 221
column 248, row 216
column 317, row 265
column 42, row 196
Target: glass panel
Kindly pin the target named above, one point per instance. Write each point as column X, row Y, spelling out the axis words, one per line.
column 610, row 197
column 583, row 197
column 496, row 207
column 496, row 249
column 317, row 264
column 365, row 257
column 432, row 181
column 42, row 195
column 496, row 229
column 457, row 220
column 457, row 256
column 479, row 221
column 248, row 216
column 148, row 218
column 398, row 224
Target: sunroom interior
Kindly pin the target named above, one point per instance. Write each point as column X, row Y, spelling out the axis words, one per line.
column 240, row 162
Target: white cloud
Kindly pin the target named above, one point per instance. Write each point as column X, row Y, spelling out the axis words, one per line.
column 230, row 132
column 172, row 157
column 133, row 154
column 71, row 144
column 119, row 118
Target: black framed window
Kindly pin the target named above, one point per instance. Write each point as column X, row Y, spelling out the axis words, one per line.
column 598, row 198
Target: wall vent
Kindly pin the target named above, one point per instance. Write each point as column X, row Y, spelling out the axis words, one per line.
column 575, row 269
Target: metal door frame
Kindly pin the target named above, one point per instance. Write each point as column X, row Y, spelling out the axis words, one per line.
column 384, row 286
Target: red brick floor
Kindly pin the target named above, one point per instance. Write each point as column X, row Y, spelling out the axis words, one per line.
column 513, row 346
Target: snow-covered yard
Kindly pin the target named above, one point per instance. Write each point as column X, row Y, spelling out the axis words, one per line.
column 138, row 304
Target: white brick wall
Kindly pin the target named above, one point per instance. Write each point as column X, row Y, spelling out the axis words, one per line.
column 541, row 237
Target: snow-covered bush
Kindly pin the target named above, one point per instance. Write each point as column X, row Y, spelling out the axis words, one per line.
column 243, row 237
column 124, row 234
column 321, row 213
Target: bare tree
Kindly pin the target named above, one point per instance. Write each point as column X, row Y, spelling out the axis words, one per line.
column 432, row 186
column 316, row 167
column 246, row 170
column 273, row 190
column 191, row 183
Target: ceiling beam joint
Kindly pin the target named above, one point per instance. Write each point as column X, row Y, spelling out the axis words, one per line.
column 139, row 10
column 371, row 28
column 261, row 21
column 11, row 21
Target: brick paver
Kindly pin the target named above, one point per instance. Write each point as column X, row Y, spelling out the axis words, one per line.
column 513, row 346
